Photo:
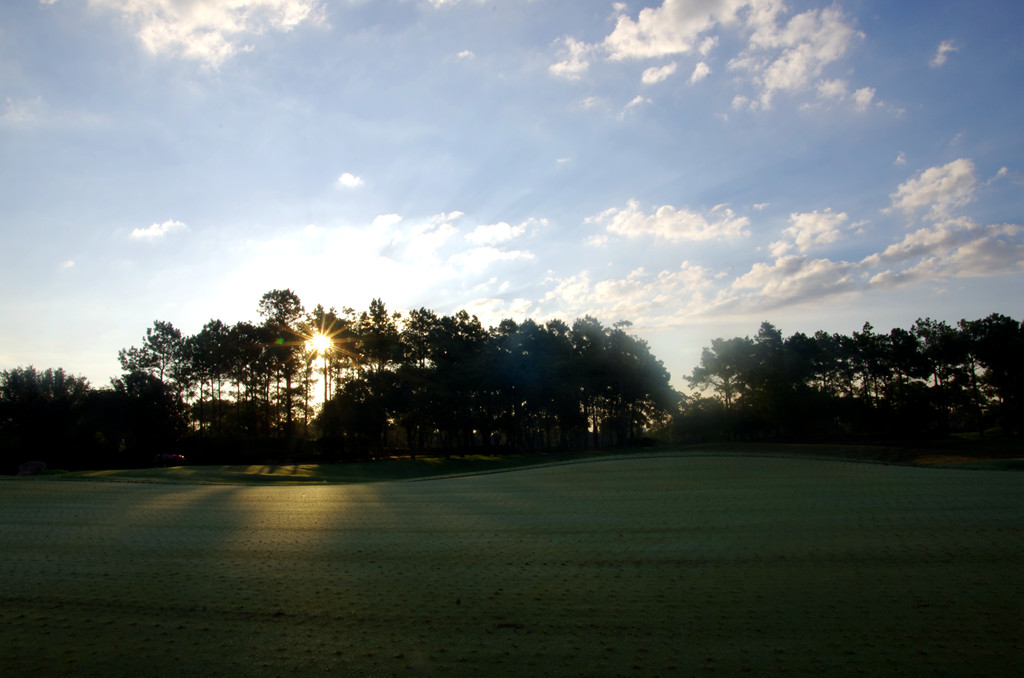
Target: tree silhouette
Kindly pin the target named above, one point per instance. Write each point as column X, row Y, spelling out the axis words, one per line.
column 424, row 381
column 723, row 367
column 159, row 354
column 283, row 313
column 38, row 415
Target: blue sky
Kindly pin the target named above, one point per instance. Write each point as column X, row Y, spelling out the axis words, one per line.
column 694, row 167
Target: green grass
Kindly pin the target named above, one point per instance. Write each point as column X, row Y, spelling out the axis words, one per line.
column 644, row 565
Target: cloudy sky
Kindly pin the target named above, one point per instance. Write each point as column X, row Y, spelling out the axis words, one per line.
column 692, row 166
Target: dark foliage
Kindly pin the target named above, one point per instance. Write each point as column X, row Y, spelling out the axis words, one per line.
column 244, row 393
column 422, row 382
column 930, row 381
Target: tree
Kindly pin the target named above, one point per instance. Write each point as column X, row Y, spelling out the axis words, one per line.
column 207, row 363
column 336, row 330
column 998, row 346
column 418, row 378
column 379, row 344
column 282, row 313
column 372, row 388
column 249, row 367
column 723, row 368
column 639, row 385
column 159, row 354
column 563, row 384
column 589, row 343
column 459, row 379
column 39, row 416
column 152, row 414
column 943, row 353
column 869, row 359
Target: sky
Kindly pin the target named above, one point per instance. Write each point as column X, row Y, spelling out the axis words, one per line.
column 695, row 167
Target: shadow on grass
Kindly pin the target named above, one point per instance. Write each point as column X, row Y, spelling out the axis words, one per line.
column 1004, row 457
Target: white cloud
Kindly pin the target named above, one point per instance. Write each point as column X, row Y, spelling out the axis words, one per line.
column 942, row 53
column 423, row 241
column 350, row 180
column 862, row 98
column 668, row 223
column 700, row 71
column 495, row 233
column 955, row 249
column 980, row 257
column 780, row 248
column 70, row 262
column 901, row 159
column 922, row 242
column 656, row 74
column 707, row 44
column 479, row 259
column 637, row 101
column 157, row 231
column 1002, row 173
column 940, row 241
column 792, row 279
column 466, row 54
column 812, row 229
column 575, row 62
column 449, row 216
column 790, row 57
column 395, row 264
column 399, row 260
column 832, row 89
column 648, row 299
column 210, row 31
column 384, row 221
column 837, row 90
column 673, row 28
column 1004, row 230
column 783, row 52
column 951, row 247
column 939, row 188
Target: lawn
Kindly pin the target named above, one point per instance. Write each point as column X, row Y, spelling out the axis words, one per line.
column 631, row 566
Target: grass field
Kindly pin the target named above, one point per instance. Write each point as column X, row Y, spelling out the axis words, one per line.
column 634, row 566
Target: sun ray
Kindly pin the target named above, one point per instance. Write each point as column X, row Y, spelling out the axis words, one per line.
column 319, row 342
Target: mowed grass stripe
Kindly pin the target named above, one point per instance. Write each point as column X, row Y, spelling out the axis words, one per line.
column 654, row 566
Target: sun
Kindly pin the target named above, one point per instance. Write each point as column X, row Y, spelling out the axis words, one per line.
column 320, row 343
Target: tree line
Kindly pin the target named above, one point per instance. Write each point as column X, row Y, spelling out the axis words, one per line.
column 414, row 382
column 327, row 384
column 929, row 381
